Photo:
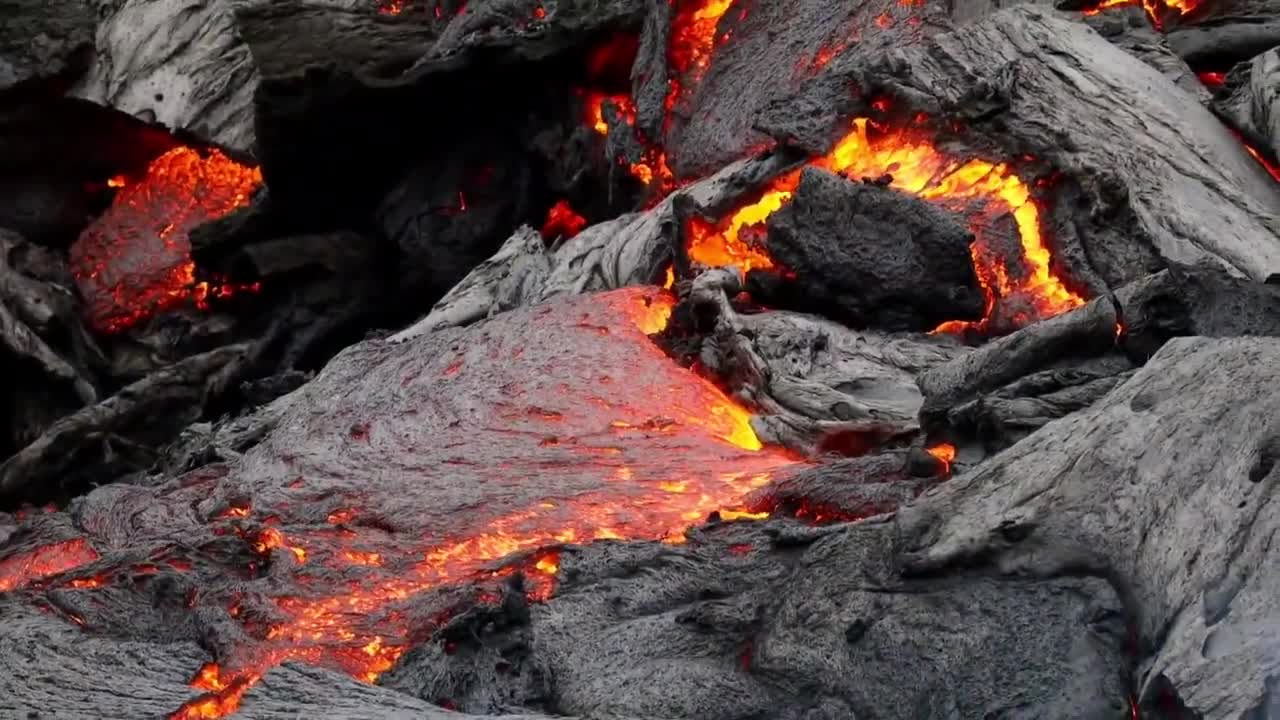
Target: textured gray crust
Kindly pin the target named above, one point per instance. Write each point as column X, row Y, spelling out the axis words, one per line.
column 1151, row 176
column 127, row 418
column 1166, row 487
column 42, row 40
column 771, row 51
column 631, row 249
column 178, row 62
column 816, row 382
column 1252, row 104
column 788, row 623
column 51, row 668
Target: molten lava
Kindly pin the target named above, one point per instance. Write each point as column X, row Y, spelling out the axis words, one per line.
column 562, row 221
column 693, row 39
column 1212, row 80
column 135, row 260
column 592, row 433
column 917, row 167
column 1155, row 9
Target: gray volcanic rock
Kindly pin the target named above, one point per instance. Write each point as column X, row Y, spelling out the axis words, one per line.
column 1194, row 300
column 1148, row 175
column 867, row 255
column 1252, row 103
column 42, row 40
column 782, row 621
column 178, row 62
column 1165, row 487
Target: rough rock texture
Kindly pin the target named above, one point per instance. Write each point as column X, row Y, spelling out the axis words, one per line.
column 1252, row 104
column 771, row 50
column 821, row 386
column 41, row 41
column 629, row 250
column 786, row 622
column 178, row 62
column 867, row 255
column 1165, row 487
column 1222, row 33
column 1130, row 28
column 1150, row 175
column 1057, row 345
column 1196, row 300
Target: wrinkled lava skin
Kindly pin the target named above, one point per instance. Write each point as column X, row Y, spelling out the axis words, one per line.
column 403, row 468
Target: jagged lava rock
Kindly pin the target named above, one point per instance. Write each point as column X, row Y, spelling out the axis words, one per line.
column 1165, row 486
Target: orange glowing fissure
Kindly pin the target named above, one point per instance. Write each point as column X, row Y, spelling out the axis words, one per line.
column 333, row 630
column 919, row 168
column 1155, row 9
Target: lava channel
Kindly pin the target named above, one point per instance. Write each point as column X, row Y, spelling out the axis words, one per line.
column 135, row 260
column 555, row 424
column 917, row 167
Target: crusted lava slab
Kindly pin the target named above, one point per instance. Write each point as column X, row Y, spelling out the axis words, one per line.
column 404, row 467
column 866, row 255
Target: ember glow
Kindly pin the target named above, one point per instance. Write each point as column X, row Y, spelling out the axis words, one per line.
column 1155, row 9
column 945, row 452
column 135, row 260
column 654, row 461
column 1212, row 80
column 22, row 569
column 562, row 221
column 917, row 167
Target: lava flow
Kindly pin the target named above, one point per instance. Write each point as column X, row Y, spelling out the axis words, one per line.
column 572, row 427
column 1155, row 9
column 135, row 260
column 917, row 167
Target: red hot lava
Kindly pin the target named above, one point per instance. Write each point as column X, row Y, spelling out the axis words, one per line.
column 917, row 167
column 562, row 221
column 135, row 260
column 604, row 438
column 1155, row 9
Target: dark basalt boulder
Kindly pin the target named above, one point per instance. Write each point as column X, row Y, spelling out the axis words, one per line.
column 868, row 255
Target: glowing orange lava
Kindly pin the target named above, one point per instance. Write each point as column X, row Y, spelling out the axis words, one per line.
column 919, row 168
column 945, row 452
column 20, row 570
column 135, row 260
column 1155, row 9
column 693, row 39
column 392, row 7
column 562, row 221
column 659, row 460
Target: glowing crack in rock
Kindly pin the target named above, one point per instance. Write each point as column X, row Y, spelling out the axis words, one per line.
column 919, row 168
